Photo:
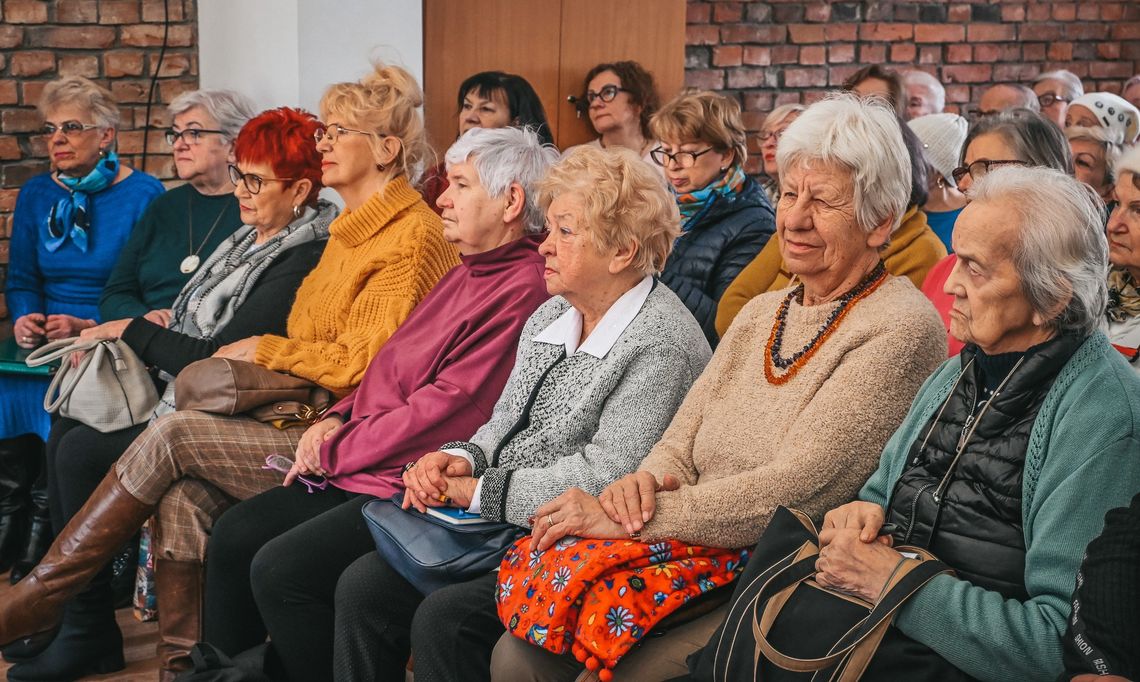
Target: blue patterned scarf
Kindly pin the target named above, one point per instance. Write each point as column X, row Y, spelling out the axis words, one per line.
column 692, row 204
column 71, row 216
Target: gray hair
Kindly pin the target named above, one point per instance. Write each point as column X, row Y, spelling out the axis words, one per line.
column 937, row 91
column 502, row 156
column 1035, row 139
column 84, row 94
column 1061, row 251
column 1129, row 161
column 230, row 109
column 1109, row 138
column 862, row 135
column 1074, row 88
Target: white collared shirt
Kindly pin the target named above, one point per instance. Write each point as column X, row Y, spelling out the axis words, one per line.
column 567, row 331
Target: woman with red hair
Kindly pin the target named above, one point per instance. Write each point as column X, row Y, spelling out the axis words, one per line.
column 237, row 292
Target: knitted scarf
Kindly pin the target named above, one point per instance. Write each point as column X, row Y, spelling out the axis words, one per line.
column 70, row 217
column 693, row 204
column 1123, row 297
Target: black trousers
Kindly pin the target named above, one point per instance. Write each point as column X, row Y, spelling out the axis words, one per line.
column 380, row 618
column 272, row 565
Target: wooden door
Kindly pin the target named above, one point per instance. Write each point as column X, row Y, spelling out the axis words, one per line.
column 551, row 43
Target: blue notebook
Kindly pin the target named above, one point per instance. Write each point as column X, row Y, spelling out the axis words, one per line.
column 456, row 516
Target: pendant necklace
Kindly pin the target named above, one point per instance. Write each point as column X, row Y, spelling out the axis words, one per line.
column 190, row 263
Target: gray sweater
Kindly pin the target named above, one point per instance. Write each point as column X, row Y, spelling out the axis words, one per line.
column 590, row 420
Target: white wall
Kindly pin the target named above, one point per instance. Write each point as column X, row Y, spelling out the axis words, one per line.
column 286, row 52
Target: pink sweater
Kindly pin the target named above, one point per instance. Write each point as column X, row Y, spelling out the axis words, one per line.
column 932, row 287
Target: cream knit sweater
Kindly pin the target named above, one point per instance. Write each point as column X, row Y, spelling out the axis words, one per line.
column 741, row 446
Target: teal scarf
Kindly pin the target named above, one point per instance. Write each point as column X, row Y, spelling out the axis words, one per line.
column 692, row 204
column 71, row 216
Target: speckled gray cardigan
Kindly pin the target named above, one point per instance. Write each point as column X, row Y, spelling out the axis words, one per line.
column 592, row 420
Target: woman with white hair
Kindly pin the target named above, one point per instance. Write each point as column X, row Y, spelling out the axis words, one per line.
column 775, row 418
column 1123, row 317
column 1013, row 451
column 1055, row 90
column 925, row 95
column 1095, row 154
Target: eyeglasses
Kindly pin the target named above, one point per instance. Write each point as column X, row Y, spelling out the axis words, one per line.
column 979, row 168
column 252, row 182
column 332, row 133
column 681, row 159
column 190, row 136
column 606, row 94
column 773, row 135
column 284, row 465
column 1049, row 99
column 68, row 128
column 982, row 113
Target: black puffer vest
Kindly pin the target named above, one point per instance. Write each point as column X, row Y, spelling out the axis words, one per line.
column 968, row 512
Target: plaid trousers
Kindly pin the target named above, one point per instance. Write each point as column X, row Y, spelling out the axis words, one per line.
column 194, row 466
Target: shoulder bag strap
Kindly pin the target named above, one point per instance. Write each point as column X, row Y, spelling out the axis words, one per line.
column 55, row 350
column 72, row 374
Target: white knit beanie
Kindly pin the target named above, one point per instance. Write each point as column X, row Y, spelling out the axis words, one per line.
column 942, row 136
column 1113, row 112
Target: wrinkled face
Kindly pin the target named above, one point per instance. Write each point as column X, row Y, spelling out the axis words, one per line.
column 815, row 221
column 1055, row 111
column 209, row 156
column 1080, row 115
column 620, row 113
column 272, row 207
column 480, row 111
column 768, row 146
column 1132, row 94
column 989, row 309
column 472, row 220
column 1090, row 165
column 1124, row 225
column 999, row 98
column 348, row 161
column 988, row 147
column 919, row 101
column 706, row 167
column 574, row 266
column 873, row 87
column 76, row 154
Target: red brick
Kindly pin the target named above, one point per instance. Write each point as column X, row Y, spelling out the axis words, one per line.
column 1085, row 31
column 841, row 54
column 702, row 34
column 752, row 120
column 1014, row 13
column 749, row 33
column 120, row 63
column 31, row 63
column 8, row 92
column 119, row 12
column 1060, row 51
column 805, row 78
column 938, row 33
column 1037, row 12
column 79, row 65
column 697, row 13
column 1065, row 11
column 987, row 53
column 727, row 55
column 1034, row 52
column 785, row 54
column 903, row 53
column 1011, row 52
column 25, row 12
column 930, row 54
column 959, row 13
column 153, row 11
column 1032, row 32
column 9, row 148
column 38, row 145
column 131, row 142
column 129, row 91
column 150, row 35
column 813, row 55
column 1110, row 70
column 73, row 37
column 20, row 120
column 727, row 12
column 170, row 89
column 872, row 54
column 806, row 33
column 991, row 33
column 886, row 32
column 31, row 91
column 10, row 36
column 1108, row 50
column 755, row 55
column 16, row 174
column 1088, row 11
column 817, row 12
column 841, row 32
column 1014, row 73
column 1126, row 31
column 8, row 199
column 837, row 76
column 975, row 73
column 76, row 11
column 959, row 54
column 705, row 79
column 748, row 78
column 957, row 93
column 1111, row 11
column 758, row 101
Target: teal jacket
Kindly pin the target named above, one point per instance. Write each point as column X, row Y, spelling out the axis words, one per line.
column 1083, row 459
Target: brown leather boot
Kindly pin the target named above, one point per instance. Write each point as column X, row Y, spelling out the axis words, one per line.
column 108, row 519
column 178, row 587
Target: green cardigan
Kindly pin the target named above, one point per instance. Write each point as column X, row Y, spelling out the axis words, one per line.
column 1083, row 459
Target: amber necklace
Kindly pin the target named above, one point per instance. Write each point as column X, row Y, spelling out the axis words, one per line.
column 773, row 356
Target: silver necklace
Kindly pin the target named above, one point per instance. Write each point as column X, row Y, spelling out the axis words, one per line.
column 190, row 263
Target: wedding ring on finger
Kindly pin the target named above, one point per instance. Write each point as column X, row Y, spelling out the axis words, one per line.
column 550, row 520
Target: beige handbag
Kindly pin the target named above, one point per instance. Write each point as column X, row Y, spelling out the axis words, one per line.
column 109, row 390
column 232, row 387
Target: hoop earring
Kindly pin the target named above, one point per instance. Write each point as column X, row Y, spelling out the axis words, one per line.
column 297, row 211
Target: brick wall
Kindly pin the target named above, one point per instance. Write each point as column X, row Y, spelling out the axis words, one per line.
column 770, row 53
column 114, row 42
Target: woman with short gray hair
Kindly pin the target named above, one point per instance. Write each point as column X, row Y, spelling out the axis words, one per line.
column 1013, row 452
column 1123, row 313
column 1055, row 90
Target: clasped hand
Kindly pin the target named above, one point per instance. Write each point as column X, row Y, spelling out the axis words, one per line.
column 308, row 457
column 438, row 480
column 34, row 328
column 853, row 557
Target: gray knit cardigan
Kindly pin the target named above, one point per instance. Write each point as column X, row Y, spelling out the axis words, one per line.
column 590, row 421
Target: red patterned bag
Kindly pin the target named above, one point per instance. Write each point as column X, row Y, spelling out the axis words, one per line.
column 598, row 598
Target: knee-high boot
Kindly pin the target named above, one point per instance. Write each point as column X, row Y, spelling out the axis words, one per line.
column 109, row 517
column 39, row 531
column 179, row 592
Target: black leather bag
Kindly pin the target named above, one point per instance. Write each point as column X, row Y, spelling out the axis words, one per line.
column 431, row 553
column 783, row 626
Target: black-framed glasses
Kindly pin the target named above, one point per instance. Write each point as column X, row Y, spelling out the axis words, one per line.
column 189, row 135
column 1049, row 99
column 978, row 169
column 332, row 133
column 252, row 182
column 606, row 94
column 68, row 128
column 977, row 113
column 681, row 159
column 773, row 135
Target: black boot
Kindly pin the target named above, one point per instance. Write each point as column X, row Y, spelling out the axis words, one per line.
column 39, row 532
column 14, row 483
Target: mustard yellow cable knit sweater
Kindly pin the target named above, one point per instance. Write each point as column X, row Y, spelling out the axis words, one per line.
column 381, row 260
column 741, row 446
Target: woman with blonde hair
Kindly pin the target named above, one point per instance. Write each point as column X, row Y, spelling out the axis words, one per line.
column 725, row 217
column 384, row 253
column 775, row 123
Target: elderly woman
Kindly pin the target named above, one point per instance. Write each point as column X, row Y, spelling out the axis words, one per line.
column 1107, row 110
column 1017, row 138
column 1055, row 90
column 775, row 123
column 1123, row 317
column 1095, row 153
column 910, row 252
column 942, row 137
column 384, row 253
column 725, row 217
column 879, row 81
column 924, row 93
column 1131, row 91
column 795, row 358
column 1013, row 451
column 601, row 368
column 620, row 98
column 437, row 378
column 57, row 267
column 236, row 292
column 490, row 99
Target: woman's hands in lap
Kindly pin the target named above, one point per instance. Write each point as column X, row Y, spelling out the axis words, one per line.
column 868, row 517
column 244, row 350
column 632, row 499
column 29, row 330
column 307, row 460
column 574, row 512
column 853, row 558
column 436, row 477
column 65, row 326
column 108, row 330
